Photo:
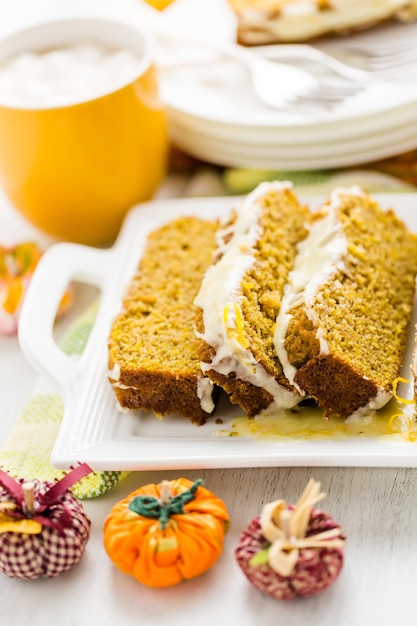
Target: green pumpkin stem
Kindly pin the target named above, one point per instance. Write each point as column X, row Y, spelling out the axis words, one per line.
column 166, row 505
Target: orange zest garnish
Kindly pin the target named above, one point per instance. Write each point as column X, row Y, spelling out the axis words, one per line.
column 237, row 329
column 390, row 425
column 394, row 390
column 410, row 435
column 239, row 325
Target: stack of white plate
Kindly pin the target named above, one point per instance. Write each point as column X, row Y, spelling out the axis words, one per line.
column 214, row 115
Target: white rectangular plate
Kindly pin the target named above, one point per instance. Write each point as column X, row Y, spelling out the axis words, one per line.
column 93, row 430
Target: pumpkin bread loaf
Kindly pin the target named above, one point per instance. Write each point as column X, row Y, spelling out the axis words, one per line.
column 341, row 331
column 152, row 360
column 261, row 22
column 240, row 298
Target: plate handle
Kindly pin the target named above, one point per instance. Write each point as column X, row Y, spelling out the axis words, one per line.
column 61, row 264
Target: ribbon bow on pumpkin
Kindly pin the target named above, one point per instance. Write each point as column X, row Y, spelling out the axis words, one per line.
column 27, row 514
column 286, row 530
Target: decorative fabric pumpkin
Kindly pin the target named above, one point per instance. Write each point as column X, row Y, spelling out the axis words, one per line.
column 43, row 527
column 17, row 265
column 162, row 534
column 292, row 550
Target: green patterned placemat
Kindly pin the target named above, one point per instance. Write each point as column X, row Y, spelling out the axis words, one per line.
column 239, row 181
column 27, row 450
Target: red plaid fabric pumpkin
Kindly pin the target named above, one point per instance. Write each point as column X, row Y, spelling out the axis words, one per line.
column 291, row 551
column 45, row 542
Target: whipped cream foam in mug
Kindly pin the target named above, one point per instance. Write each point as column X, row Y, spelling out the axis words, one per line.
column 64, row 75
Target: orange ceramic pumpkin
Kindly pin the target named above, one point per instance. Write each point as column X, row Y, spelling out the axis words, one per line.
column 162, row 534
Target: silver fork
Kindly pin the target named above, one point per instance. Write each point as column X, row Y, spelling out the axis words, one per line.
column 360, row 64
column 277, row 85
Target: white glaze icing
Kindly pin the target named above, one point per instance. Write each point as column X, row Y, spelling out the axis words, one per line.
column 114, row 373
column 220, row 297
column 366, row 412
column 205, row 394
column 319, row 257
column 118, row 385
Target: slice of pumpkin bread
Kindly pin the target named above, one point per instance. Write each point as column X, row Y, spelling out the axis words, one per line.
column 263, row 22
column 341, row 330
column 152, row 360
column 240, row 298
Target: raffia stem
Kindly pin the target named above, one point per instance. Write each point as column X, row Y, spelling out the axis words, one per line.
column 286, row 530
column 165, row 496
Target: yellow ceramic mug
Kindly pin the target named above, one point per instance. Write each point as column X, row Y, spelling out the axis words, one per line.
column 75, row 168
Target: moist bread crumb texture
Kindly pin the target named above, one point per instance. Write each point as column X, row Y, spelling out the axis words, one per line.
column 251, row 302
column 283, row 224
column 362, row 312
column 152, row 358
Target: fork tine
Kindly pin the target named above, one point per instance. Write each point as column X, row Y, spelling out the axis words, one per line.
column 377, row 63
column 387, row 55
column 328, row 95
